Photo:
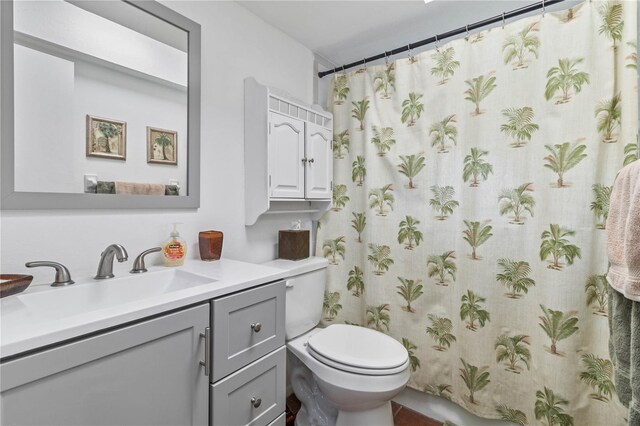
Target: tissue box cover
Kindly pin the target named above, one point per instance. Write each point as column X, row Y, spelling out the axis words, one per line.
column 293, row 245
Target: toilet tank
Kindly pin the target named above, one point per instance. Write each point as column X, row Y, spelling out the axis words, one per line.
column 305, row 283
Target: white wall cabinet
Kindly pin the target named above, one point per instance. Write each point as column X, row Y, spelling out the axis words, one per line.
column 147, row 373
column 288, row 155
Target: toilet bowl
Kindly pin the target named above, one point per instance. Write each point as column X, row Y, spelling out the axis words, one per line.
column 342, row 374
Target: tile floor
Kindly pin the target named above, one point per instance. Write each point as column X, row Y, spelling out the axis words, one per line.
column 402, row 416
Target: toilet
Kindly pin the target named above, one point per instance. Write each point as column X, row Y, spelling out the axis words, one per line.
column 342, row 374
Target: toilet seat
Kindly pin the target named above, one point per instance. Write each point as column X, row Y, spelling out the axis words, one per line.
column 358, row 350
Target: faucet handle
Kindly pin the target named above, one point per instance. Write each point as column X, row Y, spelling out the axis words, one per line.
column 63, row 277
column 138, row 264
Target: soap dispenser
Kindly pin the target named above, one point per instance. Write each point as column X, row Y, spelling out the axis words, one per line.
column 174, row 249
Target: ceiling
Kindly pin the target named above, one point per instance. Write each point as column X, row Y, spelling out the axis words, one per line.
column 346, row 31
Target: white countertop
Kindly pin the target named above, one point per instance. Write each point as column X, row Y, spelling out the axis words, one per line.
column 23, row 327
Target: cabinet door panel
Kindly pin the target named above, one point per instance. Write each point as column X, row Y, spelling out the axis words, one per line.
column 232, row 399
column 286, row 151
column 319, row 170
column 144, row 374
column 236, row 343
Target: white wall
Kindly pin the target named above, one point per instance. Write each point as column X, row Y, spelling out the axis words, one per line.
column 235, row 44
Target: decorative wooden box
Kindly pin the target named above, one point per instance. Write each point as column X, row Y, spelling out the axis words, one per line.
column 293, row 244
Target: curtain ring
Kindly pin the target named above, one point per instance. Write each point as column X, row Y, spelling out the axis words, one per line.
column 466, row 27
column 364, row 63
column 503, row 20
column 409, row 51
column 437, row 47
column 386, row 58
column 343, row 68
column 543, row 8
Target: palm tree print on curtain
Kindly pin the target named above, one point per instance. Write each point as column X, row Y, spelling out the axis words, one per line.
column 514, row 276
column 562, row 158
column 558, row 326
column 331, row 305
column 566, row 79
column 472, row 310
column 409, row 290
column 597, row 291
column 519, row 125
column 475, row 378
column 475, row 166
column 359, row 223
column 412, row 109
column 608, row 113
column 442, row 266
column 410, row 166
column 340, row 89
column 630, row 153
column 440, row 331
column 445, row 64
column 502, row 166
column 359, row 111
column 476, row 234
column 513, row 350
column 517, row 201
column 555, row 244
column 612, row 21
column 511, row 415
column 381, row 199
column 382, row 139
column 339, row 197
column 479, row 88
column 443, row 132
column 340, row 144
column 598, row 374
column 408, row 233
column 384, row 82
column 355, row 281
column 551, row 408
column 600, row 203
column 442, row 201
column 519, row 47
column 358, row 171
column 414, row 361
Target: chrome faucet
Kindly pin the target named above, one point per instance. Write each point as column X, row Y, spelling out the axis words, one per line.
column 63, row 277
column 138, row 264
column 105, row 267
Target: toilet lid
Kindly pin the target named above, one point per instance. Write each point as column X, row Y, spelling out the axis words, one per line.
column 358, row 349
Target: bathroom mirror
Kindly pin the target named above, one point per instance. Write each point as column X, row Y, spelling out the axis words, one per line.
column 100, row 105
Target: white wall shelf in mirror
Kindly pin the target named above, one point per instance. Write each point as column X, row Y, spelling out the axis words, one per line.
column 288, row 154
column 69, row 65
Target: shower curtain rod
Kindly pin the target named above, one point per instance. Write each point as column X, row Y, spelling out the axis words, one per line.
column 439, row 37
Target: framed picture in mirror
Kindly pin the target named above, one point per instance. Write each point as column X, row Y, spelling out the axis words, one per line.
column 162, row 146
column 106, row 138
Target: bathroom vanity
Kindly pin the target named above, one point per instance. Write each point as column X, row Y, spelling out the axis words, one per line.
column 203, row 344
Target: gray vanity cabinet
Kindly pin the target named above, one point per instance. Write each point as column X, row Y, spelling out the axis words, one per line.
column 148, row 373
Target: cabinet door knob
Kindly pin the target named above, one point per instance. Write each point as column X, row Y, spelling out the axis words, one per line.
column 256, row 402
column 311, row 160
column 256, row 326
column 304, row 160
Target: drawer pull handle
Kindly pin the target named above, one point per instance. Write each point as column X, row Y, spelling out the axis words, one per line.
column 256, row 326
column 256, row 402
column 207, row 347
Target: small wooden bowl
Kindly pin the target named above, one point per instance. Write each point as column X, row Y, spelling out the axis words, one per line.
column 14, row 285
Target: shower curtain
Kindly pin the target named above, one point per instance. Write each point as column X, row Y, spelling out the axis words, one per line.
column 470, row 194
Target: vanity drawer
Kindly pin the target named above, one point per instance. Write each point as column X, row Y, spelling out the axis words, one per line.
column 246, row 326
column 254, row 396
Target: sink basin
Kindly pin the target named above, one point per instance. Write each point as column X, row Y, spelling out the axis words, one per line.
column 102, row 294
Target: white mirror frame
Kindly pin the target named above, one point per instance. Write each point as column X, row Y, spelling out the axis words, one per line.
column 10, row 199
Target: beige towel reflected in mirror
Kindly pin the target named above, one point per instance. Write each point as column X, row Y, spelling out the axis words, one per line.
column 131, row 188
